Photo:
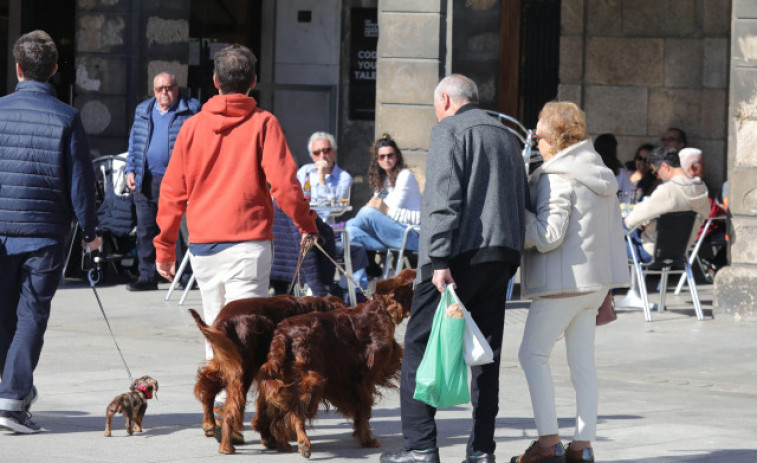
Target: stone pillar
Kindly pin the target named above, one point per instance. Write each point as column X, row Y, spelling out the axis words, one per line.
column 736, row 285
column 411, row 60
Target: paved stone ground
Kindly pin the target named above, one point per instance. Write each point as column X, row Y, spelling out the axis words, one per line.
column 674, row 390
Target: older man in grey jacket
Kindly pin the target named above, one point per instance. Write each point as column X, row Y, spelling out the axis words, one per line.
column 472, row 233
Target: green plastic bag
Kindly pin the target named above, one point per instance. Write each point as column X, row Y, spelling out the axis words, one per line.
column 442, row 377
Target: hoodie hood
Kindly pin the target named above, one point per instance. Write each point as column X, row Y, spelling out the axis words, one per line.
column 583, row 165
column 223, row 112
column 694, row 190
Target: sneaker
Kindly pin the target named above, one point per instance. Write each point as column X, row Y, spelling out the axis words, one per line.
column 538, row 454
column 236, row 434
column 20, row 422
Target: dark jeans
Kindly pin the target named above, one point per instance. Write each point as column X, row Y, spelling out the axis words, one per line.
column 27, row 286
column 482, row 289
column 146, row 205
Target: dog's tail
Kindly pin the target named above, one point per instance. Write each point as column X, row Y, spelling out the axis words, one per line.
column 224, row 349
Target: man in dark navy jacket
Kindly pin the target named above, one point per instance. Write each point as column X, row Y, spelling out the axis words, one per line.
column 156, row 124
column 46, row 178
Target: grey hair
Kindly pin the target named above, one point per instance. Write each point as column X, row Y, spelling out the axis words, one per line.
column 321, row 136
column 689, row 156
column 458, row 88
column 164, row 73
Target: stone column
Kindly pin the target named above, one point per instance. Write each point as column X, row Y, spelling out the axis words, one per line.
column 411, row 60
column 736, row 285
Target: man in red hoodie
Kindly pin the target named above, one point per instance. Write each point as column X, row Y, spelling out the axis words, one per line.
column 228, row 161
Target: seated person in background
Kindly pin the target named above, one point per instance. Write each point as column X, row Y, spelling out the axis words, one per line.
column 677, row 193
column 644, row 181
column 692, row 162
column 323, row 173
column 607, row 147
column 675, row 138
column 396, row 203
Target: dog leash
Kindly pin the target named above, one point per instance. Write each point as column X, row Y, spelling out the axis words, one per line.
column 344, row 272
column 93, row 276
column 300, row 258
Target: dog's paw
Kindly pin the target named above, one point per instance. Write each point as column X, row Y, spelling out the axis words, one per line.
column 304, row 448
column 107, row 433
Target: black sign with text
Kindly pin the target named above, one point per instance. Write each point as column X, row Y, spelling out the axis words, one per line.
column 364, row 39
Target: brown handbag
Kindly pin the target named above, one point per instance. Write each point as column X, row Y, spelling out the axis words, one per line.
column 606, row 312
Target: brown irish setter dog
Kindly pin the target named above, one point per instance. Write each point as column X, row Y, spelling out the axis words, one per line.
column 240, row 336
column 339, row 357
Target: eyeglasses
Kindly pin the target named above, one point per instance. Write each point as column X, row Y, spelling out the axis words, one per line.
column 381, row 157
column 641, row 158
column 164, row 88
column 322, row 151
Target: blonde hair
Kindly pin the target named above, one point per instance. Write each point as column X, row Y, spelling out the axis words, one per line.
column 563, row 124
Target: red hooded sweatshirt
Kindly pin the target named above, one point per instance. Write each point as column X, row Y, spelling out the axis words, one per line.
column 223, row 162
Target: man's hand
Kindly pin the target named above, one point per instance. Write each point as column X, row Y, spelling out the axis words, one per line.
column 166, row 269
column 131, row 177
column 93, row 245
column 441, row 278
column 308, row 240
column 321, row 166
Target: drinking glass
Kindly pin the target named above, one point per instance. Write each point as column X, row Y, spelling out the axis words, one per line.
column 626, row 199
column 343, row 193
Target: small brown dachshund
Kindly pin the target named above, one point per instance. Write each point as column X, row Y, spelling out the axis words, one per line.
column 132, row 405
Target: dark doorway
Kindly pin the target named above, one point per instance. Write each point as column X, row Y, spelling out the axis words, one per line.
column 529, row 57
column 212, row 25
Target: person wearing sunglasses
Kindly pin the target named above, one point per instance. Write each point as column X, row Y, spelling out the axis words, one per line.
column 642, row 176
column 323, row 174
column 156, row 125
column 396, row 204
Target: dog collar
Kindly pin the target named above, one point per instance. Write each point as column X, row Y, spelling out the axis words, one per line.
column 145, row 389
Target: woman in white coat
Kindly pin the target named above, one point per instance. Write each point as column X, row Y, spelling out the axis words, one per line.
column 574, row 255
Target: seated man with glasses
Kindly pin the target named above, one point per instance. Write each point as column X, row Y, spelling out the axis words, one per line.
column 323, row 174
column 677, row 193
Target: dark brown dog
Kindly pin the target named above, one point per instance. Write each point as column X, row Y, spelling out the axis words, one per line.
column 132, row 405
column 340, row 357
column 240, row 337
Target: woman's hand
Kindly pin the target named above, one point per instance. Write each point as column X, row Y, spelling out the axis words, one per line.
column 378, row 203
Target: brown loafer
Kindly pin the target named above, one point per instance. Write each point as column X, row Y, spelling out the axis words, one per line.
column 579, row 456
column 538, row 454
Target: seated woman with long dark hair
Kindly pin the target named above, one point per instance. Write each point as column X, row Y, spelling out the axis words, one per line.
column 395, row 205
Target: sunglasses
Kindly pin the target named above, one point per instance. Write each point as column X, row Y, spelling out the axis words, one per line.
column 322, row 151
column 164, row 88
column 641, row 158
column 381, row 157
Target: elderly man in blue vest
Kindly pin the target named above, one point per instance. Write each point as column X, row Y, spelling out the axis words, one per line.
column 156, row 124
column 46, row 179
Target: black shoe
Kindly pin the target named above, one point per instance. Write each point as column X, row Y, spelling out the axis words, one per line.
column 411, row 456
column 142, row 286
column 482, row 458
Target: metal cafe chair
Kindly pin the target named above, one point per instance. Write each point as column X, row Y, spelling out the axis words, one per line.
column 694, row 254
column 401, row 261
column 671, row 242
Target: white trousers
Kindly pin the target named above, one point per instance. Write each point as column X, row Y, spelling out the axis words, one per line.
column 238, row 272
column 548, row 318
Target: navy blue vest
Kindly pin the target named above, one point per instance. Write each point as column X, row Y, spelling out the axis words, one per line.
column 35, row 132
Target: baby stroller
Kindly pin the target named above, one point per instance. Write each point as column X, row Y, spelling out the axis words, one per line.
column 117, row 258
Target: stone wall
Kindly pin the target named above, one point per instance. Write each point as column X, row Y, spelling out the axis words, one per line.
column 636, row 68
column 411, row 59
column 120, row 46
column 736, row 285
